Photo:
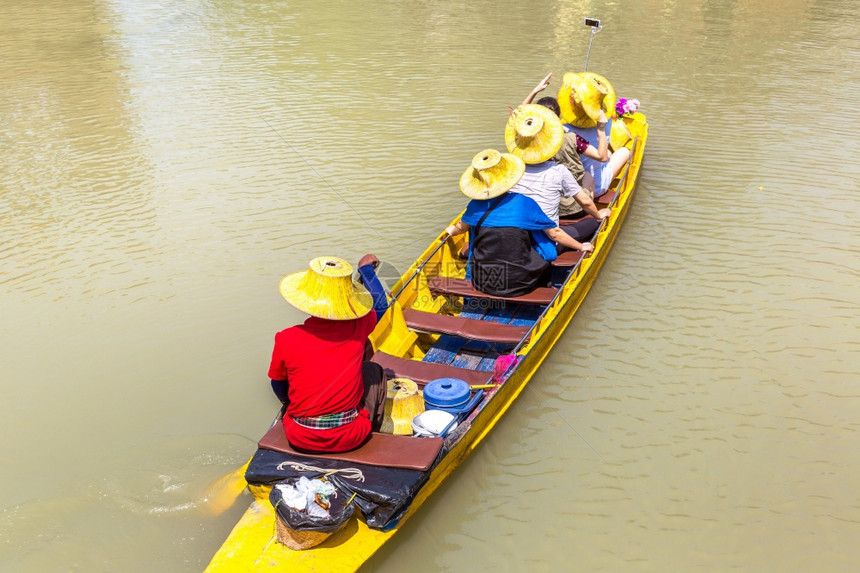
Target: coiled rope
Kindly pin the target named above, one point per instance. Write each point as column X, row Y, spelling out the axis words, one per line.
column 348, row 473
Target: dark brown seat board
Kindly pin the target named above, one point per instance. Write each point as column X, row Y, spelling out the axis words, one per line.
column 385, row 450
column 425, row 372
column 606, row 198
column 470, row 328
column 462, row 287
column 567, row 259
column 565, row 221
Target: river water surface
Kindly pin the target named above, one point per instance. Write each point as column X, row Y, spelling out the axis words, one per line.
column 163, row 164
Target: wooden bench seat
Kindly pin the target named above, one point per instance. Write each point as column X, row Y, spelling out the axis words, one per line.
column 380, row 450
column 571, row 220
column 470, row 328
column 462, row 287
column 425, row 372
column 567, row 259
column 606, row 198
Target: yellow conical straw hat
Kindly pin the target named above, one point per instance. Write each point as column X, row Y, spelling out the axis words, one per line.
column 326, row 290
column 581, row 98
column 491, row 174
column 534, row 133
column 610, row 99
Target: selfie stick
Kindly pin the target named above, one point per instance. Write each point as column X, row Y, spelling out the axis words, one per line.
column 595, row 27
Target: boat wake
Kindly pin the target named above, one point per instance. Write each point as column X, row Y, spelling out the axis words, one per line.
column 181, row 481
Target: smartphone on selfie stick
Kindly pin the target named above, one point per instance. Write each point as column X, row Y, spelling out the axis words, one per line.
column 595, row 26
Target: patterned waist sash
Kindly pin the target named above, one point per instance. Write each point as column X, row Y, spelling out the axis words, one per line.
column 327, row 421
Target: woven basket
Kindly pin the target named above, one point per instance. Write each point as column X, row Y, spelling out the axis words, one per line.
column 299, row 540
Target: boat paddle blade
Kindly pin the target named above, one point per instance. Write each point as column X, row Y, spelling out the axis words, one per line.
column 223, row 492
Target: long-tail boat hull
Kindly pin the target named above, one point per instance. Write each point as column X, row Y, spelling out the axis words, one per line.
column 251, row 546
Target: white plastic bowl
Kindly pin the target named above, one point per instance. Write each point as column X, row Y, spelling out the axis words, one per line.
column 431, row 423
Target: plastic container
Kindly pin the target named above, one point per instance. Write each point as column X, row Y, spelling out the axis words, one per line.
column 433, row 423
column 451, row 395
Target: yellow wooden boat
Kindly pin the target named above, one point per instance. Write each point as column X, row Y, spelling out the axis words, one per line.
column 428, row 333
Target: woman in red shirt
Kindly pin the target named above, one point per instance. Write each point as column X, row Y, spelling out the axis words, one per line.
column 334, row 398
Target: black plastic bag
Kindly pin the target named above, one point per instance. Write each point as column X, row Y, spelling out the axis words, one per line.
column 338, row 513
column 383, row 497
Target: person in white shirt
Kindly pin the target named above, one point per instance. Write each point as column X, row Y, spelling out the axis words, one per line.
column 535, row 134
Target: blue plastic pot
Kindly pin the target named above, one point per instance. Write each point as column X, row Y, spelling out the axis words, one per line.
column 451, row 395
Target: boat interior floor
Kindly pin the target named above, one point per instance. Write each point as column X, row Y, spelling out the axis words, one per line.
column 454, row 349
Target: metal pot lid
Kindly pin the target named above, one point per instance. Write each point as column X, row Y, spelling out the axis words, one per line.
column 447, row 392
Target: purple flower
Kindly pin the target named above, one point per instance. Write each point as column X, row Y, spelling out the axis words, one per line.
column 626, row 106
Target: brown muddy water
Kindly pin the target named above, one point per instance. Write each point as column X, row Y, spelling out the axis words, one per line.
column 163, row 164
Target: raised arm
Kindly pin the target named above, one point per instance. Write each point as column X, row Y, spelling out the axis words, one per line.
column 542, row 85
column 601, row 152
column 367, row 272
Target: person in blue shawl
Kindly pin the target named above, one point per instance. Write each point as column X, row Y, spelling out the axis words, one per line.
column 509, row 248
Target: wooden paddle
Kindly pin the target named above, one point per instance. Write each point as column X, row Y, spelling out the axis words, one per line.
column 224, row 491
